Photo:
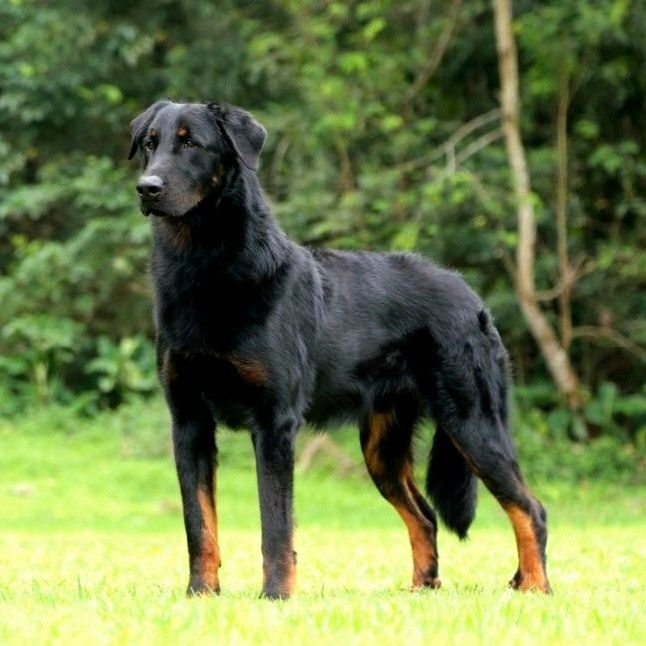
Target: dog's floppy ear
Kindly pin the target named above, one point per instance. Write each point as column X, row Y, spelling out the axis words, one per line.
column 245, row 134
column 140, row 123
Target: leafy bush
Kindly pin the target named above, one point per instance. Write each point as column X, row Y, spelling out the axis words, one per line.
column 123, row 368
column 546, row 449
column 606, row 412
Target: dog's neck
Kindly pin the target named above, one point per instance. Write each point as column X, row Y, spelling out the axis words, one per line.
column 231, row 227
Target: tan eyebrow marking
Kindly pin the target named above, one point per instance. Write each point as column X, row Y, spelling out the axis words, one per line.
column 182, row 132
column 152, row 132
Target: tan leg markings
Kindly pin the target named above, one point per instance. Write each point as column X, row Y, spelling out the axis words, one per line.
column 290, row 579
column 287, row 566
column 532, row 572
column 250, row 370
column 379, row 424
column 419, row 529
column 209, row 559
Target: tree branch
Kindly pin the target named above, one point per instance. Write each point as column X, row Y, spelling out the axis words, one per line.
column 476, row 146
column 448, row 147
column 470, row 126
column 425, row 73
column 346, row 179
column 567, row 279
column 576, row 272
column 277, row 161
column 615, row 337
column 323, row 444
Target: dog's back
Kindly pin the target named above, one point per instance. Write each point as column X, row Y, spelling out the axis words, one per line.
column 382, row 312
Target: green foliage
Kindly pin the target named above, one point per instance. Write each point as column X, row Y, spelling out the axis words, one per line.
column 606, row 412
column 123, row 368
column 546, row 450
column 368, row 148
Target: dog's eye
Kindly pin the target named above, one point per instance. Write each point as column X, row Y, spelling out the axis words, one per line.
column 149, row 145
column 188, row 143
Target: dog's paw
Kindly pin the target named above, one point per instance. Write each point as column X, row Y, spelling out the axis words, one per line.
column 427, row 583
column 275, row 594
column 529, row 583
column 201, row 588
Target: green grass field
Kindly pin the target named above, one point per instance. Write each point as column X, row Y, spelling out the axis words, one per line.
column 92, row 551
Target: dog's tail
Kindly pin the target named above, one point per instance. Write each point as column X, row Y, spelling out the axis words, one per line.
column 451, row 485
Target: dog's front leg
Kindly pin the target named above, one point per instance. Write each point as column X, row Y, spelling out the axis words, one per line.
column 274, row 448
column 195, row 459
column 195, row 453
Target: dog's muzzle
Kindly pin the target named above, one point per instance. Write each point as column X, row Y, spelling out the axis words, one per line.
column 150, row 189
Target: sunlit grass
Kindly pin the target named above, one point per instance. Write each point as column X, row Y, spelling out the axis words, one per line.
column 92, row 551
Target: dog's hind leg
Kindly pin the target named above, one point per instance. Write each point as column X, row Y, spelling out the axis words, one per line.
column 490, row 455
column 470, row 404
column 386, row 445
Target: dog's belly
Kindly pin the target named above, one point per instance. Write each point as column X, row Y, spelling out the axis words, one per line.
column 333, row 407
column 358, row 371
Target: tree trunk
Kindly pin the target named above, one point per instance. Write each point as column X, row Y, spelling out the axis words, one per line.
column 565, row 270
column 554, row 353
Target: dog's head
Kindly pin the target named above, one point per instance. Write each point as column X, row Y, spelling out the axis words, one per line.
column 189, row 150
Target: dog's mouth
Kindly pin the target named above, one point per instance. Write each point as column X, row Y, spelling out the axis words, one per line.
column 157, row 213
column 163, row 209
column 151, row 208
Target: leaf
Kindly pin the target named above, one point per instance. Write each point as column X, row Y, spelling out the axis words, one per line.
column 406, row 237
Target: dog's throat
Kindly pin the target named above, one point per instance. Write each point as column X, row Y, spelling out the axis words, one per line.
column 177, row 231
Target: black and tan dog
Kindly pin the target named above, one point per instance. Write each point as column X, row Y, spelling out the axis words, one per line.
column 256, row 331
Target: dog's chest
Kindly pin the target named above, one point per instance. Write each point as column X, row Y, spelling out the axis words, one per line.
column 203, row 312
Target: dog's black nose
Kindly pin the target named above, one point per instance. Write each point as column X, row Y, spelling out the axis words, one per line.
column 150, row 186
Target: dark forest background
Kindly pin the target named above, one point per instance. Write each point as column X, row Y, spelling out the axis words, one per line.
column 384, row 133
